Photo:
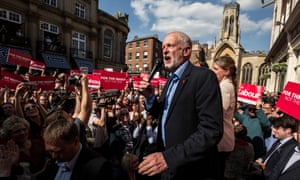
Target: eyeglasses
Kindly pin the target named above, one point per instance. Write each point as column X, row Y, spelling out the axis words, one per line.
column 29, row 107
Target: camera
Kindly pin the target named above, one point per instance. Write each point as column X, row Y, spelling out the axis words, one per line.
column 73, row 80
column 107, row 101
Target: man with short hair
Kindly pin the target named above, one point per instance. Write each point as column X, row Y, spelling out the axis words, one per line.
column 72, row 160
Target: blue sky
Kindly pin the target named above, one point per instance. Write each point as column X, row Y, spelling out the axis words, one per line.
column 198, row 18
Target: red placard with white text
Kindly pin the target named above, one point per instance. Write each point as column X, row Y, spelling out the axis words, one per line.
column 9, row 79
column 42, row 82
column 18, row 58
column 250, row 93
column 111, row 80
column 37, row 65
column 289, row 100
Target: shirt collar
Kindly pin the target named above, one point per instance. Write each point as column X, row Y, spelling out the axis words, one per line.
column 180, row 70
column 70, row 164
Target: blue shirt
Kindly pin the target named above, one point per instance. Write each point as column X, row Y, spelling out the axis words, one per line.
column 170, row 93
column 65, row 168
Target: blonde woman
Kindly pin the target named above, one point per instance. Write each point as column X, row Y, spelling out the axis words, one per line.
column 225, row 70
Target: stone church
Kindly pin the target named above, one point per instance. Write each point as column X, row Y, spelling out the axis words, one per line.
column 251, row 66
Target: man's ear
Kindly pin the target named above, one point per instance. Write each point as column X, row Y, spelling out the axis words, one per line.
column 187, row 52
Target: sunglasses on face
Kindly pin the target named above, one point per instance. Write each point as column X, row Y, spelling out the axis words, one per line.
column 29, row 107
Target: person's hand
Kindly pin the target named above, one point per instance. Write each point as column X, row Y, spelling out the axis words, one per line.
column 83, row 79
column 153, row 164
column 145, row 88
column 259, row 103
column 20, row 87
column 9, row 156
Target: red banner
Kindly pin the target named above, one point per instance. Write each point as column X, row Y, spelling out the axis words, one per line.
column 37, row 65
column 289, row 100
column 111, row 80
column 10, row 80
column 18, row 58
column 43, row 82
column 250, row 93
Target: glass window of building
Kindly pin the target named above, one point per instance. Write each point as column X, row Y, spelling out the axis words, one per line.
column 146, row 43
column 137, row 68
column 130, row 56
column 145, row 67
column 130, row 45
column 52, row 3
column 108, row 42
column 79, row 43
column 145, row 56
column 247, row 73
column 51, row 28
column 80, row 10
column 137, row 55
column 137, row 44
column 10, row 16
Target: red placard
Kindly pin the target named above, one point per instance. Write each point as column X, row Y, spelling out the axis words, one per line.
column 42, row 82
column 111, row 80
column 10, row 80
column 94, row 82
column 18, row 58
column 250, row 93
column 289, row 100
column 37, row 65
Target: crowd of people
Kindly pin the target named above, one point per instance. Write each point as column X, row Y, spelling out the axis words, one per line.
column 194, row 127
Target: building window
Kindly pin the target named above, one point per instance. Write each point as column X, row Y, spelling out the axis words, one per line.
column 129, row 67
column 108, row 42
column 137, row 44
column 146, row 43
column 137, row 55
column 51, row 28
column 137, row 68
column 10, row 16
column 145, row 68
column 52, row 3
column 247, row 71
column 264, row 73
column 79, row 43
column 145, row 56
column 130, row 45
column 129, row 56
column 80, row 10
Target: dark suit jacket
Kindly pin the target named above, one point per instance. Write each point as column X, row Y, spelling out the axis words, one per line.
column 274, row 171
column 194, row 125
column 292, row 173
column 89, row 166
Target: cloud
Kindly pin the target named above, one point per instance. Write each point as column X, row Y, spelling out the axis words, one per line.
column 262, row 26
column 201, row 20
column 196, row 19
